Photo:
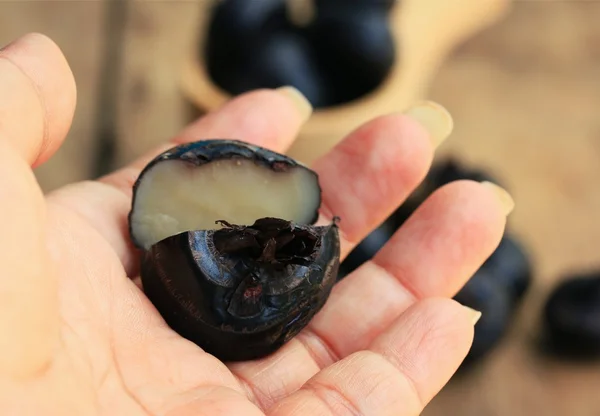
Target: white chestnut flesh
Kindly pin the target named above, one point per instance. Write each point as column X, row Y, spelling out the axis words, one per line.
column 178, row 196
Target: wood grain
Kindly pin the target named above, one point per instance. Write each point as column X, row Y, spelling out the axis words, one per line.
column 150, row 107
column 77, row 27
column 525, row 97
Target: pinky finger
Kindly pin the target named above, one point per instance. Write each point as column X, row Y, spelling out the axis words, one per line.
column 403, row 369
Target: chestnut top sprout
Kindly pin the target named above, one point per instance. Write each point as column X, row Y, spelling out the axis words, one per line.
column 231, row 257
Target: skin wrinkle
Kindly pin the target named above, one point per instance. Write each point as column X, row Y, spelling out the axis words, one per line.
column 355, row 219
column 198, row 394
column 78, row 252
column 68, row 200
column 254, row 394
column 324, row 391
column 409, row 381
column 66, row 236
column 145, row 388
column 117, row 365
column 110, row 343
column 425, row 326
column 64, row 339
column 266, row 398
column 44, row 144
column 396, row 354
column 328, row 355
column 369, row 329
column 124, row 385
column 299, row 405
column 399, row 275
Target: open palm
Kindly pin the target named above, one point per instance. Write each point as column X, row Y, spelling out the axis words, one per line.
column 78, row 336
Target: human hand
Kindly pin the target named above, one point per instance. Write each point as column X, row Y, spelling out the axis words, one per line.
column 78, row 336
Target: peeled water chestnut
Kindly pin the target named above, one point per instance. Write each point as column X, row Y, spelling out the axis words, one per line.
column 231, row 256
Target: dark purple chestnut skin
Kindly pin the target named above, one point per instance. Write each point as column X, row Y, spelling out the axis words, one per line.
column 230, row 306
column 242, row 291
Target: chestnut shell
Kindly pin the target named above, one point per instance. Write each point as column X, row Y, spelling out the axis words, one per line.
column 180, row 278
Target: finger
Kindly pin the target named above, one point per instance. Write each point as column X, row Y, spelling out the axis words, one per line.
column 369, row 174
column 433, row 254
column 269, row 118
column 461, row 224
column 364, row 179
column 399, row 373
column 29, row 310
column 34, row 117
column 479, row 232
column 39, row 95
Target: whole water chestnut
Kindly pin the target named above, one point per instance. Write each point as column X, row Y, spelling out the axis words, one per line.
column 356, row 46
column 231, row 257
column 344, row 49
column 572, row 316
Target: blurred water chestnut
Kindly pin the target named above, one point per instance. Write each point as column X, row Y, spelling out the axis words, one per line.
column 345, row 52
column 572, row 316
column 230, row 256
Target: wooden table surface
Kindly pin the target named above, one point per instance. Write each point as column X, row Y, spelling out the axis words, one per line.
column 79, row 28
column 525, row 96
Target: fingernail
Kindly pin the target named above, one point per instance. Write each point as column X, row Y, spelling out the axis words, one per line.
column 475, row 315
column 507, row 202
column 435, row 118
column 299, row 100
